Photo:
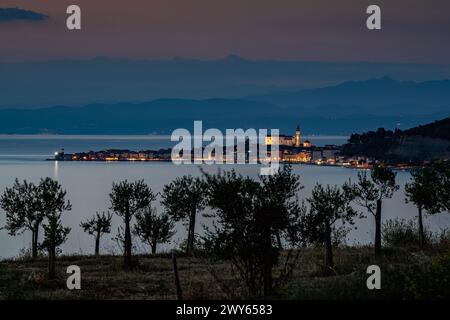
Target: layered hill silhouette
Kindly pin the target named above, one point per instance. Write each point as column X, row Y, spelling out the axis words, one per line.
column 436, row 130
column 425, row 142
column 341, row 109
column 74, row 82
column 381, row 96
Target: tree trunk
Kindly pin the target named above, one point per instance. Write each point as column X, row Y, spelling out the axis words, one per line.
column 191, row 233
column 34, row 242
column 128, row 244
column 378, row 228
column 97, row 244
column 267, row 277
column 189, row 240
column 153, row 245
column 51, row 263
column 421, row 230
column 328, row 248
column 267, row 265
column 177, row 277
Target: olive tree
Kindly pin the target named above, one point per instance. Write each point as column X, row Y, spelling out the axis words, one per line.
column 423, row 191
column 280, row 191
column 97, row 226
column 52, row 203
column 127, row 200
column 54, row 236
column 369, row 192
column 328, row 205
column 21, row 206
column 183, row 199
column 248, row 219
column 153, row 229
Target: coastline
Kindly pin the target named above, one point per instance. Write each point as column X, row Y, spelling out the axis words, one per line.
column 393, row 167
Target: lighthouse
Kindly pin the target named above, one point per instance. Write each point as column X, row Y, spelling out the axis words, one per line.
column 297, row 137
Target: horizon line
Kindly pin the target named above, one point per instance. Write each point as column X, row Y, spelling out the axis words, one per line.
column 229, row 57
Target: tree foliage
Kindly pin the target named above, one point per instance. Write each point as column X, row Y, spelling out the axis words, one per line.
column 154, row 229
column 55, row 234
column 183, row 199
column 21, row 206
column 52, row 199
column 370, row 193
column 97, row 226
column 249, row 214
column 127, row 200
column 328, row 205
column 443, row 171
column 427, row 190
column 27, row 205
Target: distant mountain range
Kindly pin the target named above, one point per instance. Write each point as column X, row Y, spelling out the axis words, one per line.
column 381, row 96
column 104, row 80
column 340, row 109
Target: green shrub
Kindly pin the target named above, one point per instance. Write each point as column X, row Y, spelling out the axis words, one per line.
column 430, row 280
column 402, row 233
column 442, row 238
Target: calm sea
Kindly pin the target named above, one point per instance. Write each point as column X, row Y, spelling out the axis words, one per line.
column 88, row 184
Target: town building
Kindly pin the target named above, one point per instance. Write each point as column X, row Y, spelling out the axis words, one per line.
column 302, row 156
column 306, row 144
column 288, row 141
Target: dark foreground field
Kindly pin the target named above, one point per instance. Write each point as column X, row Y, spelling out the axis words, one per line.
column 406, row 274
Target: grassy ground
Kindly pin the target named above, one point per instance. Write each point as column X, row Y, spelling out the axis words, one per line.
column 406, row 273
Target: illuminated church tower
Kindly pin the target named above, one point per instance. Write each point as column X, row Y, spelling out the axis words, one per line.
column 297, row 137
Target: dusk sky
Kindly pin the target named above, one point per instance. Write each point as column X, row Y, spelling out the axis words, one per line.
column 413, row 30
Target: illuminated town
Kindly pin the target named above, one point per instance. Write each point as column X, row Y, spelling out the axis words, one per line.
column 291, row 149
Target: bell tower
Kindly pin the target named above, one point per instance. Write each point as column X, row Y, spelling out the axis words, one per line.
column 297, row 137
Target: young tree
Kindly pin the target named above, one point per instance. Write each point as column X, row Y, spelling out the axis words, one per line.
column 423, row 191
column 280, row 191
column 52, row 203
column 97, row 226
column 183, row 199
column 153, row 229
column 248, row 221
column 54, row 236
column 22, row 211
column 279, row 214
column 328, row 205
column 128, row 199
column 370, row 193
